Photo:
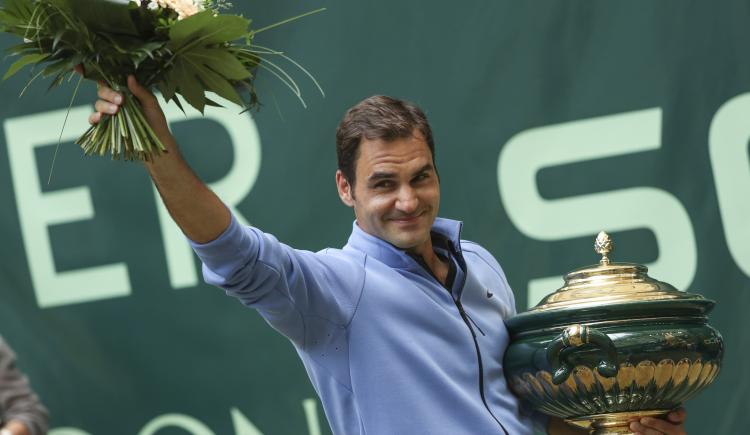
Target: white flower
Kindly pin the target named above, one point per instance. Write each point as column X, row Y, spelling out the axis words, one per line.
column 153, row 5
column 184, row 8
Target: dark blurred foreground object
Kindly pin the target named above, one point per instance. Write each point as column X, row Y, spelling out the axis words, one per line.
column 611, row 346
column 21, row 412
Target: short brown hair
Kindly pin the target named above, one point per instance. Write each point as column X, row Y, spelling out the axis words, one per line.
column 378, row 117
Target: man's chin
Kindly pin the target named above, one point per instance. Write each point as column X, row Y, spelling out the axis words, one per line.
column 408, row 238
column 406, row 243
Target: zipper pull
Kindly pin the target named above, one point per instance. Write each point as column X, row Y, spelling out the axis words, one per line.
column 475, row 324
column 467, row 318
column 473, row 334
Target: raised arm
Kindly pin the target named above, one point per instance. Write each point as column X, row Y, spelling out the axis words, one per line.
column 197, row 210
column 284, row 284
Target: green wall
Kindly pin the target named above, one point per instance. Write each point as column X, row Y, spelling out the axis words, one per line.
column 552, row 120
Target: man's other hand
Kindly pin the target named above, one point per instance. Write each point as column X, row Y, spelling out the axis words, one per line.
column 673, row 425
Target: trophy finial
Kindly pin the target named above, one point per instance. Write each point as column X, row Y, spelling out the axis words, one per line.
column 603, row 245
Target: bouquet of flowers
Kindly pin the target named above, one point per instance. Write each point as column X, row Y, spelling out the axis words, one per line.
column 183, row 48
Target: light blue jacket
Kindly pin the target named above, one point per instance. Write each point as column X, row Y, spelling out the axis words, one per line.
column 384, row 343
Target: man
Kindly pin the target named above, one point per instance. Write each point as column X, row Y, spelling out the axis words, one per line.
column 401, row 331
column 21, row 412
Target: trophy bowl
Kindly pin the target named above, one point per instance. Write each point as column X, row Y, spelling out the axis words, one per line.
column 611, row 346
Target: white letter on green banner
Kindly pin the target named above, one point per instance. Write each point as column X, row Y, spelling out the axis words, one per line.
column 37, row 211
column 727, row 140
column 532, row 150
column 185, row 422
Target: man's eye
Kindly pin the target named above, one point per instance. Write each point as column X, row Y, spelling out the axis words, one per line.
column 383, row 184
column 421, row 177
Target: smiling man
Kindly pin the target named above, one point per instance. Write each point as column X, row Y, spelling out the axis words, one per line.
column 402, row 330
column 389, row 143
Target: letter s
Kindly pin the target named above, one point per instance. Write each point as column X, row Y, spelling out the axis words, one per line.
column 526, row 153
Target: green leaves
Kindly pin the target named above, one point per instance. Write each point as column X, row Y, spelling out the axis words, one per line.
column 203, row 58
column 187, row 85
column 17, row 11
column 206, row 69
column 106, row 16
column 62, row 66
column 218, row 84
column 205, row 28
column 15, row 15
column 22, row 62
column 184, row 59
column 223, row 61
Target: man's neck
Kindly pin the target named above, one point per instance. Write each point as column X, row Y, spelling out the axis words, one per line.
column 438, row 267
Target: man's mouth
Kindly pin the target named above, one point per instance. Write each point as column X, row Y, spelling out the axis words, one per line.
column 406, row 219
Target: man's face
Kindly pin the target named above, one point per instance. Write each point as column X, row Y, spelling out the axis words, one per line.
column 396, row 194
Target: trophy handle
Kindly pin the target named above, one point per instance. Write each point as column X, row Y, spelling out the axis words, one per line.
column 576, row 336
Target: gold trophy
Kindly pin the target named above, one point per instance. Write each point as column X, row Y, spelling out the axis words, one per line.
column 611, row 346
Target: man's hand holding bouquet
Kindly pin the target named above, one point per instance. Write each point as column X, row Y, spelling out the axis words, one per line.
column 183, row 48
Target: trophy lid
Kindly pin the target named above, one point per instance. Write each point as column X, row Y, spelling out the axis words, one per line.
column 608, row 283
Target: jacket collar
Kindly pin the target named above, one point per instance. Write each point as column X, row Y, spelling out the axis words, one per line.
column 395, row 257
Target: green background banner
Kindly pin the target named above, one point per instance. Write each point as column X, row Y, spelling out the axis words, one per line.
column 553, row 120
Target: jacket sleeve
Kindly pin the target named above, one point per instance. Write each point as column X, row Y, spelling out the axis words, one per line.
column 299, row 293
column 17, row 400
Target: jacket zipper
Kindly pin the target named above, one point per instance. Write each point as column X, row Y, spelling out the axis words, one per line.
column 468, row 321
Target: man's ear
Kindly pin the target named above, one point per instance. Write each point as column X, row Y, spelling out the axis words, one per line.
column 345, row 189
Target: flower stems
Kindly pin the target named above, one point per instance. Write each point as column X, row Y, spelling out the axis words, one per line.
column 124, row 135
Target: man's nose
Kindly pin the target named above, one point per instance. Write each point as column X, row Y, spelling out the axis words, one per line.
column 407, row 201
